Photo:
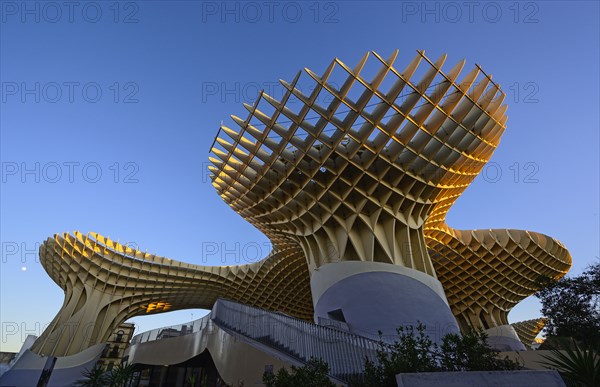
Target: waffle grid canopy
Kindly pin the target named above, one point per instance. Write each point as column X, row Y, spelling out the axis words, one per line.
column 371, row 176
column 368, row 177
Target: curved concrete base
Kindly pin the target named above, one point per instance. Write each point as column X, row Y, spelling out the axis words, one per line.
column 27, row 370
column 238, row 361
column 371, row 297
column 504, row 338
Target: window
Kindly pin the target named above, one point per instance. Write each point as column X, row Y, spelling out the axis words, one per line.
column 114, row 351
column 337, row 315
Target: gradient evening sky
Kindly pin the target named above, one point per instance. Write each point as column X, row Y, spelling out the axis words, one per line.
column 169, row 72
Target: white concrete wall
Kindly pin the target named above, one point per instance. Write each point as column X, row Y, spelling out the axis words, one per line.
column 376, row 297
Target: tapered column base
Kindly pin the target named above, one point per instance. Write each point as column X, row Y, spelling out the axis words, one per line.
column 368, row 297
column 504, row 338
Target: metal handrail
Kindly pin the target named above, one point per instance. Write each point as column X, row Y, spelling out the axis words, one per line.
column 344, row 352
column 172, row 331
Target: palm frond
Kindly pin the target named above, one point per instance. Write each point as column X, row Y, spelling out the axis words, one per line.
column 577, row 365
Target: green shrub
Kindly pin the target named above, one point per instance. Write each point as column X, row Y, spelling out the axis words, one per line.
column 470, row 352
column 94, row 377
column 414, row 351
column 313, row 374
column 578, row 366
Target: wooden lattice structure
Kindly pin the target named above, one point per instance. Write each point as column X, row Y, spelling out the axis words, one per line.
column 528, row 330
column 106, row 283
column 370, row 176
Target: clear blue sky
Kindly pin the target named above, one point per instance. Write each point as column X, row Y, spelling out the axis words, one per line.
column 184, row 66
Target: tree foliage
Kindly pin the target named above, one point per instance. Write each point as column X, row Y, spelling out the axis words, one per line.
column 313, row 374
column 94, row 377
column 572, row 306
column 119, row 376
column 577, row 366
column 414, row 351
column 470, row 352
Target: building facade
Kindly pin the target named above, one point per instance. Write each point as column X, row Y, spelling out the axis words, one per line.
column 117, row 343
